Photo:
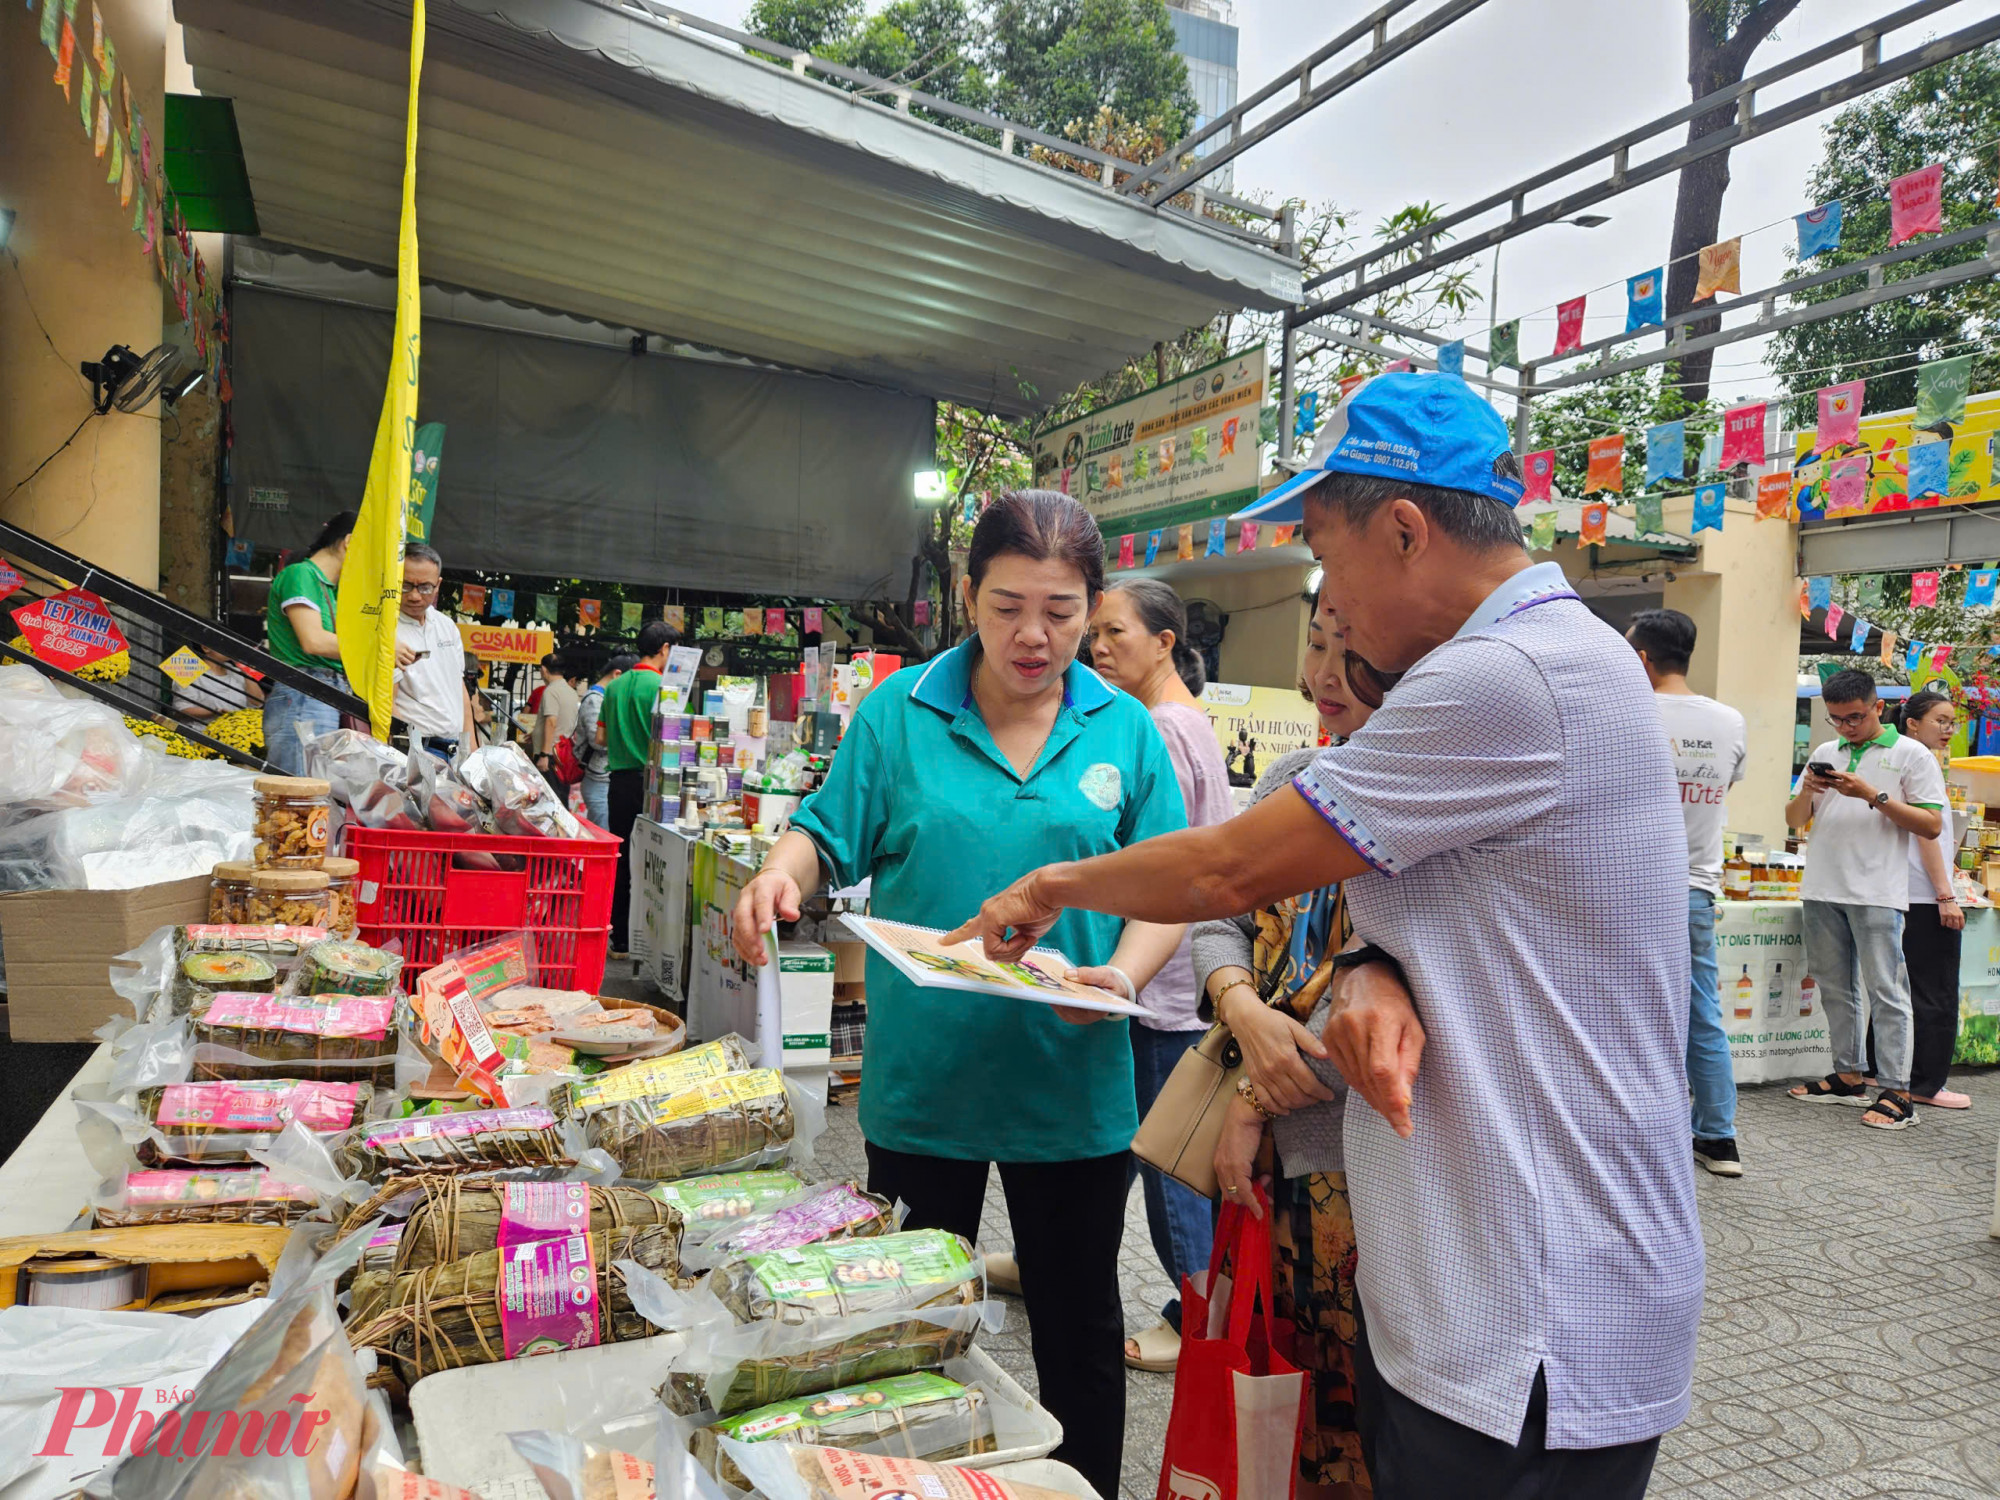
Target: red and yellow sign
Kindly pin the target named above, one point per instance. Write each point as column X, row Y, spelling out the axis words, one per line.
column 70, row 630
column 502, row 643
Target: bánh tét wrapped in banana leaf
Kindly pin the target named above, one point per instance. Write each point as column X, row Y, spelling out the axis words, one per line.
column 222, row 1121
column 738, row 1120
column 923, row 1415
column 473, row 1140
column 458, row 1218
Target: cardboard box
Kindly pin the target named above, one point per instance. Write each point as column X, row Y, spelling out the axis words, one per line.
column 182, row 1267
column 806, row 973
column 660, row 858
column 59, row 946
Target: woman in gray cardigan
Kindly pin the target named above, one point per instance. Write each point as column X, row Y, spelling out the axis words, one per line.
column 1265, row 976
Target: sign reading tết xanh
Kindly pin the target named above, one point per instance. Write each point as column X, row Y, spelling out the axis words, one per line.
column 499, row 643
column 1183, row 451
column 1256, row 725
column 70, row 630
column 1872, row 473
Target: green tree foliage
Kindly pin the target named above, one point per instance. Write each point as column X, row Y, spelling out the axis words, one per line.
column 1628, row 403
column 810, row 25
column 1057, row 62
column 1950, row 113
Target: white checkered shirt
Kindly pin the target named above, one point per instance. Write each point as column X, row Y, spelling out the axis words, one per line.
column 1517, row 796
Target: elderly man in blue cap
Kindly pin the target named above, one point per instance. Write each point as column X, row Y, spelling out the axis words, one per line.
column 1512, row 1015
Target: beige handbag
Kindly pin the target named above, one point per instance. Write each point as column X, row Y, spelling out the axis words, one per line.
column 1182, row 1129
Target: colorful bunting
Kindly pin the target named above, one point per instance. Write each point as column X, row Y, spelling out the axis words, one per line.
column 545, row 608
column 1819, row 230
column 629, row 617
column 472, row 598
column 920, row 614
column 1542, row 530
column 1607, row 465
column 753, row 621
column 1859, row 643
column 1505, row 345
column 1569, row 326
column 1916, row 204
column 1839, row 415
column 1152, row 547
column 1306, row 423
column 1743, row 435
column 1186, row 550
column 774, row 621
column 1538, row 471
column 1913, row 655
column 1979, row 588
column 1646, row 514
column 1281, row 536
column 1246, row 537
column 815, row 621
column 1666, row 453
column 1711, row 452
column 1216, row 530
column 1804, row 601
column 1125, row 550
column 1942, row 386
column 51, row 25
column 1645, row 299
column 1923, row 589
column 1720, row 269
column 1833, row 617
column 1708, row 507
column 1888, row 647
column 589, row 612
column 1819, row 592
column 1929, row 473
column 501, row 604
column 1774, row 497
column 1398, row 367
column 1451, row 358
column 1941, row 657
column 711, row 620
column 1868, row 592
column 1847, row 483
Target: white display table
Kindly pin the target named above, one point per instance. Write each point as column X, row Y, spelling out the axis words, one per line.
column 48, row 1180
column 1775, row 1031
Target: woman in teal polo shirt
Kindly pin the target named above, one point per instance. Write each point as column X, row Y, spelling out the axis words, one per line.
column 953, row 780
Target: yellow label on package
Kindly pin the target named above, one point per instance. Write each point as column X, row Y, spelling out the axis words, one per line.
column 719, row 1093
column 657, row 1075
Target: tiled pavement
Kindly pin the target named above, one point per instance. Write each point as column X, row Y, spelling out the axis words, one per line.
column 1851, row 1342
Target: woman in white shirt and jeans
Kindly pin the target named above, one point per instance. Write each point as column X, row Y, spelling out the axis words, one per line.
column 1931, row 930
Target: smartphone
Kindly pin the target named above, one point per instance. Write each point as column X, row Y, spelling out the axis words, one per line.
column 1820, row 767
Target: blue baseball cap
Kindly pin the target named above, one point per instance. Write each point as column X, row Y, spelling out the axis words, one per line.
column 1427, row 429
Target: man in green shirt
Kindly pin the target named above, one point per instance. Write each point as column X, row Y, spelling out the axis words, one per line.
column 299, row 625
column 624, row 728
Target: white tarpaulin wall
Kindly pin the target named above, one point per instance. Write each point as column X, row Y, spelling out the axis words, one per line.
column 577, row 460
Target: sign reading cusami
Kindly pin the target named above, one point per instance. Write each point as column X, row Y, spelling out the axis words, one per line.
column 499, row 643
column 70, row 630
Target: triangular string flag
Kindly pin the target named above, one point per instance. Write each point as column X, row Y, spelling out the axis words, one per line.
column 1711, row 452
column 1306, row 420
column 1743, row 435
column 1942, row 386
column 1913, row 656
column 1804, row 600
column 1451, row 358
column 1569, row 326
column 1859, row 643
column 1666, row 453
column 1542, row 530
column 1839, row 415
column 1923, row 590
column 1979, row 588
column 1869, row 591
column 501, row 602
column 1833, row 617
column 774, row 620
column 1505, row 345
column 1941, row 657
column 1186, row 550
column 1646, row 514
column 1774, row 497
column 1888, row 648
column 1246, row 537
column 1590, row 527
column 1847, row 483
column 1720, row 269
column 1929, row 473
column 1819, row 592
column 1916, row 204
column 1607, row 465
column 1216, row 530
column 1708, row 509
column 1645, row 299
column 1819, row 230
column 1152, row 547
column 1281, row 536
column 545, row 608
column 1538, row 470
column 1125, row 550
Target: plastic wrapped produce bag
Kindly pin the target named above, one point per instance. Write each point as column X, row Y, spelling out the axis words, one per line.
column 522, row 802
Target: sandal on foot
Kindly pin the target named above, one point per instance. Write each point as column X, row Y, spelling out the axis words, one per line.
column 1003, row 1273
column 1159, row 1350
column 1832, row 1089
column 1896, row 1112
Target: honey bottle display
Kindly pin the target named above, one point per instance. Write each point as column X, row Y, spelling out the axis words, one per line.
column 1746, row 995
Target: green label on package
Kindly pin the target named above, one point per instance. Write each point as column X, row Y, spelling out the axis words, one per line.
column 732, row 1195
column 896, row 1394
column 920, row 1258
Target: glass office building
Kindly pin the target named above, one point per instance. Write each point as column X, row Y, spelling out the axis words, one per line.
column 1206, row 31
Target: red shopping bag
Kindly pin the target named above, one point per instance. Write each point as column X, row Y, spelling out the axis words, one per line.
column 1239, row 1402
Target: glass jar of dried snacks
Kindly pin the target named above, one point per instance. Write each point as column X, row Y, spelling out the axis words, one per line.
column 341, row 874
column 294, row 814
column 229, row 892
column 289, row 898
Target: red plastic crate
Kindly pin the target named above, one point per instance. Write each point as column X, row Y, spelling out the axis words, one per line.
column 418, row 888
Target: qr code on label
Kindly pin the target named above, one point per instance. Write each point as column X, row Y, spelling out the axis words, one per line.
column 932, row 1486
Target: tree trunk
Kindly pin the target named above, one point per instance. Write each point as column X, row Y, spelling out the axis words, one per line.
column 1716, row 60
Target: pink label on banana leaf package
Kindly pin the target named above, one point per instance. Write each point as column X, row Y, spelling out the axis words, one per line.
column 319, row 1107
column 363, row 1016
column 210, row 1187
column 466, row 1122
column 826, row 1213
column 548, row 1296
column 388, row 1237
column 542, row 1211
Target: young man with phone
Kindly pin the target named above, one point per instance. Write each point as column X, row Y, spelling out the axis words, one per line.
column 1865, row 794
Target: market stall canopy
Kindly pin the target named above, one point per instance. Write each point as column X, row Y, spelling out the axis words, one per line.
column 601, row 161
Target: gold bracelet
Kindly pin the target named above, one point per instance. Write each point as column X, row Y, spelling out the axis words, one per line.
column 1247, row 1092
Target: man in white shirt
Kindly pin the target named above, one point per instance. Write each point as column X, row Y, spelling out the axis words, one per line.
column 431, row 699
column 1865, row 794
column 1708, row 741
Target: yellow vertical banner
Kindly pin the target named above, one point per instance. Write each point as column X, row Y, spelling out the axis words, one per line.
column 371, row 579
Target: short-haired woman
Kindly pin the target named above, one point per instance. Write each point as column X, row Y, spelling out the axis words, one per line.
column 954, row 779
column 1931, row 931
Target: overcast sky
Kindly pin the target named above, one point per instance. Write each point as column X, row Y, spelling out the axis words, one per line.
column 1518, row 86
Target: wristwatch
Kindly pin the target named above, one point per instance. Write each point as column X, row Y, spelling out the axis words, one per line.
column 1367, row 953
column 1881, row 799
